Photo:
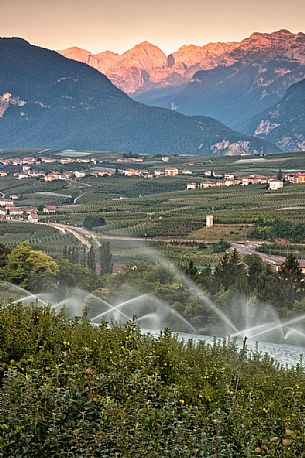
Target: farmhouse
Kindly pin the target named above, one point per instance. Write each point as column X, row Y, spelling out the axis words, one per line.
column 102, row 173
column 67, row 175
column 21, row 176
column 5, row 202
column 49, row 209
column 132, row 173
column 48, row 160
column 274, row 185
column 33, row 218
column 79, row 174
column 206, row 184
column 66, row 160
column 130, row 159
column 279, row 265
column 54, row 176
column 29, row 160
column 229, row 176
column 14, row 211
column 191, row 186
column 158, row 173
column 300, row 178
column 171, row 171
column 255, row 179
column 29, row 211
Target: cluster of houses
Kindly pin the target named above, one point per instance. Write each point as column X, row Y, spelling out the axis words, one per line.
column 28, row 162
column 231, row 180
column 296, row 178
column 168, row 171
column 52, row 176
column 16, row 161
column 9, row 211
column 139, row 159
column 211, row 179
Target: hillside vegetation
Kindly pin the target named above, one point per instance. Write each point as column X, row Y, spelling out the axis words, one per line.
column 71, row 389
column 54, row 102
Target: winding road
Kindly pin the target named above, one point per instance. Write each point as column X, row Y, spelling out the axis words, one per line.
column 89, row 238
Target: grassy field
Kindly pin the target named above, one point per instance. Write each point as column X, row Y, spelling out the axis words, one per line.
column 228, row 232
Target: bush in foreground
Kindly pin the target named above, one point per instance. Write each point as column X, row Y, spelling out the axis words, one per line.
column 71, row 389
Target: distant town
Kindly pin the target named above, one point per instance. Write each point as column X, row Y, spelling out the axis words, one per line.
column 22, row 168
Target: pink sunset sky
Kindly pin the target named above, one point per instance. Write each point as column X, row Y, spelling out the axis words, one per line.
column 117, row 25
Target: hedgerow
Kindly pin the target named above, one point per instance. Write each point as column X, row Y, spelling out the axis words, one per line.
column 69, row 389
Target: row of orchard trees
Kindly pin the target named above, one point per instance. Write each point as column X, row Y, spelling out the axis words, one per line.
column 97, row 259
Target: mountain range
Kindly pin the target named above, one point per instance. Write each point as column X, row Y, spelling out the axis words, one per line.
column 146, row 66
column 232, row 82
column 284, row 123
column 50, row 101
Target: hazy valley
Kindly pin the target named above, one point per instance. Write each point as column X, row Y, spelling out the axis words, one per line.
column 152, row 233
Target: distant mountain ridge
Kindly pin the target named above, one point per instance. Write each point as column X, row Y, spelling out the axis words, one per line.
column 262, row 68
column 284, row 123
column 146, row 66
column 49, row 101
column 231, row 82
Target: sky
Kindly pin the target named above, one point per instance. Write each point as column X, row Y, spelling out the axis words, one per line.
column 117, row 25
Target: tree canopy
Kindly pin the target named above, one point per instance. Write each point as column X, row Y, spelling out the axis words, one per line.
column 29, row 268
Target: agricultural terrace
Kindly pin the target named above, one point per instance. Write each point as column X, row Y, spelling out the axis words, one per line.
column 160, row 208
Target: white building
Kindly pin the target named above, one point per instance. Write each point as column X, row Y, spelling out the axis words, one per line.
column 209, row 221
column 274, row 185
column 229, row 176
column 5, row 202
column 79, row 174
column 33, row 218
column 171, row 172
column 158, row 173
column 191, row 186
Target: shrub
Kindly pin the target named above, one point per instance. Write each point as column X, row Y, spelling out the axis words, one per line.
column 72, row 389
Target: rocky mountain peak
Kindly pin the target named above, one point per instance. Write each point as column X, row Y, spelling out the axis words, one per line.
column 146, row 66
column 75, row 53
column 145, row 55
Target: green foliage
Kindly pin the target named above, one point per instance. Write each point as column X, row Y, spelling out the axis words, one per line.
column 91, row 261
column 230, row 272
column 279, row 229
column 93, row 221
column 105, row 258
column 4, row 251
column 107, row 119
column 282, row 249
column 221, row 246
column 71, row 389
column 76, row 275
column 30, row 269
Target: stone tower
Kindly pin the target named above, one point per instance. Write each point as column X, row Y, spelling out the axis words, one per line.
column 209, row 220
